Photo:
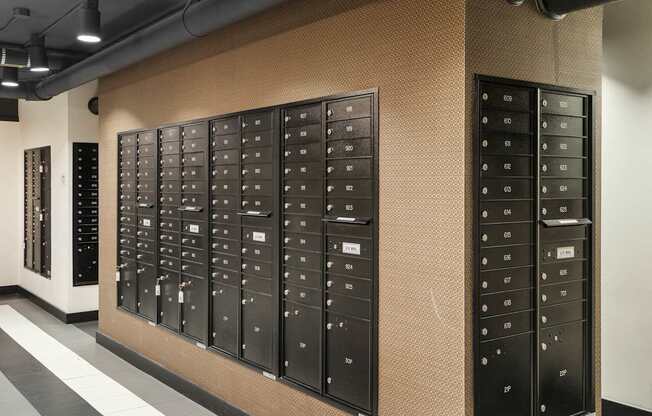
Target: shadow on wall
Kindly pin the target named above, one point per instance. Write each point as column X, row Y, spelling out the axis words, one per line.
column 627, row 39
column 238, row 35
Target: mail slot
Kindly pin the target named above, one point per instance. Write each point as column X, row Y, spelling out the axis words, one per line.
column 224, row 216
column 506, row 279
column 562, row 126
column 257, row 252
column 191, row 173
column 345, row 305
column 504, row 376
column 562, row 313
column 257, row 284
column 192, row 268
column 194, row 159
column 298, row 294
column 563, row 146
column 361, row 188
column 506, row 302
column 303, row 205
column 226, row 172
column 257, row 203
column 349, row 286
column 304, row 278
column 257, row 122
column 195, row 146
column 505, row 234
column 566, row 168
column 356, row 208
column 505, row 121
column 257, row 171
column 195, row 131
column 303, row 187
column 560, row 293
column 303, row 170
column 170, row 148
column 563, row 209
column 503, row 211
column 257, row 187
column 506, row 166
column 301, row 116
column 508, row 188
column 569, row 105
column 349, row 129
column 348, row 265
column 563, row 188
column 226, row 157
column 225, row 276
column 505, row 325
column 224, row 245
column 226, row 126
column 577, row 232
column 226, row 142
column 563, row 272
column 302, row 152
column 349, row 231
column 500, row 257
column 303, row 241
column 303, row 134
column 349, row 168
column 506, row 144
column 302, row 259
column 224, row 202
column 505, row 97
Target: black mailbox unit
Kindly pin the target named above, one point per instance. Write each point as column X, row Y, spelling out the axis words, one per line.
column 534, row 274
column 37, row 210
column 85, row 213
column 263, row 234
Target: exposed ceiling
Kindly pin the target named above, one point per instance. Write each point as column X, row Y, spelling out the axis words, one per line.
column 118, row 18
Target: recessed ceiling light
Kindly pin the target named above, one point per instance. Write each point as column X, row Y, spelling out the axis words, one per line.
column 89, row 38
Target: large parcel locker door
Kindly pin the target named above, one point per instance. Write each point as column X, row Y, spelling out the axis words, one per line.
column 258, row 322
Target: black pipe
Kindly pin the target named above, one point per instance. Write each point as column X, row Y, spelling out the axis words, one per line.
column 25, row 90
column 558, row 8
column 202, row 17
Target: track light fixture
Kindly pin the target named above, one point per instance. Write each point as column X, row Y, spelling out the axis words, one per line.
column 89, row 22
column 9, row 76
column 38, row 57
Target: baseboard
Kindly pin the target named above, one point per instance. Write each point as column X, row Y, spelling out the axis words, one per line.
column 610, row 408
column 67, row 318
column 180, row 384
column 8, row 290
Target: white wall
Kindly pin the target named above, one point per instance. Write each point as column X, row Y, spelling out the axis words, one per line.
column 58, row 123
column 627, row 204
column 11, row 161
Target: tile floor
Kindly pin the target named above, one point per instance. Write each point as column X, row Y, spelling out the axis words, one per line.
column 48, row 368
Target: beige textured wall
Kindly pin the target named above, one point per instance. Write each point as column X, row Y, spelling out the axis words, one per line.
column 413, row 51
column 517, row 42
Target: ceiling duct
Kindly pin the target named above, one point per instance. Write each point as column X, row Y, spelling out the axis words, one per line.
column 14, row 57
column 200, row 18
column 557, row 9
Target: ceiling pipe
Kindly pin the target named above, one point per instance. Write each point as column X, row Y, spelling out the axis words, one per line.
column 200, row 18
column 557, row 9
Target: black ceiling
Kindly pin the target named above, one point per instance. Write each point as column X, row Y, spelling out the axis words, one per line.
column 119, row 17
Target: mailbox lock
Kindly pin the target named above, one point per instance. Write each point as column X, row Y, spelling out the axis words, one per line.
column 329, row 380
column 544, row 276
column 287, row 240
column 244, row 250
column 245, row 187
column 544, row 319
column 543, row 408
column 287, row 188
column 329, row 113
column 544, row 346
column 330, row 169
column 484, row 361
column 329, row 326
column 244, row 301
column 287, row 257
column 286, row 274
column 329, row 207
column 329, row 264
column 244, row 282
column 484, row 331
column 286, row 314
column 244, row 266
column 329, row 283
column 329, row 302
column 485, row 308
column 330, row 188
column 544, row 298
column 286, row 292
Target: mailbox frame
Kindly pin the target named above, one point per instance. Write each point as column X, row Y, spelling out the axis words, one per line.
column 590, row 321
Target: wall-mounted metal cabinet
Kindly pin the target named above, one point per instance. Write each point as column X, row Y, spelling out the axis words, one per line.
column 85, row 213
column 37, row 210
column 257, row 233
column 534, row 250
